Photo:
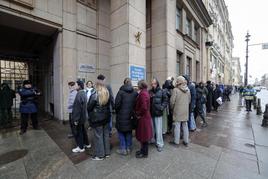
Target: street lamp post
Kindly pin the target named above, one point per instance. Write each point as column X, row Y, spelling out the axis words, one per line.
column 246, row 74
column 264, row 46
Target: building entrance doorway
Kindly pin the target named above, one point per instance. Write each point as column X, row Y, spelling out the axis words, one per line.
column 26, row 53
column 13, row 73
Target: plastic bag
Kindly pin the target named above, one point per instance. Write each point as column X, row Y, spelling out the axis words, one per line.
column 219, row 100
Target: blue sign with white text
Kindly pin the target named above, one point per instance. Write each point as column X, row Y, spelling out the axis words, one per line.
column 136, row 73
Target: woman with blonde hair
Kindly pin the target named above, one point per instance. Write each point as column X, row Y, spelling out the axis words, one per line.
column 179, row 103
column 99, row 115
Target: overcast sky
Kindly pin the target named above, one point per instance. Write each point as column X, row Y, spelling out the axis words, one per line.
column 251, row 15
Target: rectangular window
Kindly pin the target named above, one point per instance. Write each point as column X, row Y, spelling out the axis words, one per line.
column 198, row 74
column 188, row 67
column 178, row 19
column 188, row 27
column 179, row 55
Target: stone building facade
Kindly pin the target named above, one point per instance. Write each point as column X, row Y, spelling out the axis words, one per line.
column 65, row 40
column 176, row 34
column 236, row 71
column 221, row 39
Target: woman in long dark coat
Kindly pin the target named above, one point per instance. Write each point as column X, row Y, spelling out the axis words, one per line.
column 144, row 126
column 124, row 106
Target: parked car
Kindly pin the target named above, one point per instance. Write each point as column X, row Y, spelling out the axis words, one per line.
column 257, row 88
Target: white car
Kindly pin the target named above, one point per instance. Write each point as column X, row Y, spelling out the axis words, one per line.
column 257, row 88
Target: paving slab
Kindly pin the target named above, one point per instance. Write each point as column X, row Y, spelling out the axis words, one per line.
column 229, row 171
column 43, row 160
column 13, row 170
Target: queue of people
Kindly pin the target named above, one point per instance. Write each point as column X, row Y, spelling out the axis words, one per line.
column 151, row 111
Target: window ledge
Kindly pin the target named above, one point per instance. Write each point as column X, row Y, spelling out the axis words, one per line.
column 179, row 32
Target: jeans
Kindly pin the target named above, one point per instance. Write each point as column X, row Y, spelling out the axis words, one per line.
column 24, row 120
column 191, row 122
column 200, row 111
column 81, row 136
column 158, row 128
column 125, row 139
column 248, row 105
column 165, row 121
column 177, row 131
column 101, row 140
column 205, row 110
column 72, row 126
column 152, row 140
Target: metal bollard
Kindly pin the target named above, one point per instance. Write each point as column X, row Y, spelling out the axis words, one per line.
column 258, row 111
column 255, row 102
column 265, row 117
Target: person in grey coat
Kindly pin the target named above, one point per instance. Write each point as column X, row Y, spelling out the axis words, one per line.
column 72, row 94
column 179, row 102
column 79, row 116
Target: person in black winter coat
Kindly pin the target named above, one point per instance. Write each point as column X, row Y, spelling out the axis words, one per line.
column 217, row 92
column 200, row 101
column 168, row 87
column 6, row 95
column 159, row 102
column 209, row 96
column 98, row 108
column 124, row 106
column 79, row 116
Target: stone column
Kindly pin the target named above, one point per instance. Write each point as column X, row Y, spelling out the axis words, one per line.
column 127, row 20
column 65, row 60
column 163, row 39
column 57, row 77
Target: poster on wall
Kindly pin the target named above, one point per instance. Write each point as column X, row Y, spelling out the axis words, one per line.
column 137, row 73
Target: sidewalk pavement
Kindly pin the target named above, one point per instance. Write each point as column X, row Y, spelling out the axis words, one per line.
column 225, row 149
column 261, row 143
